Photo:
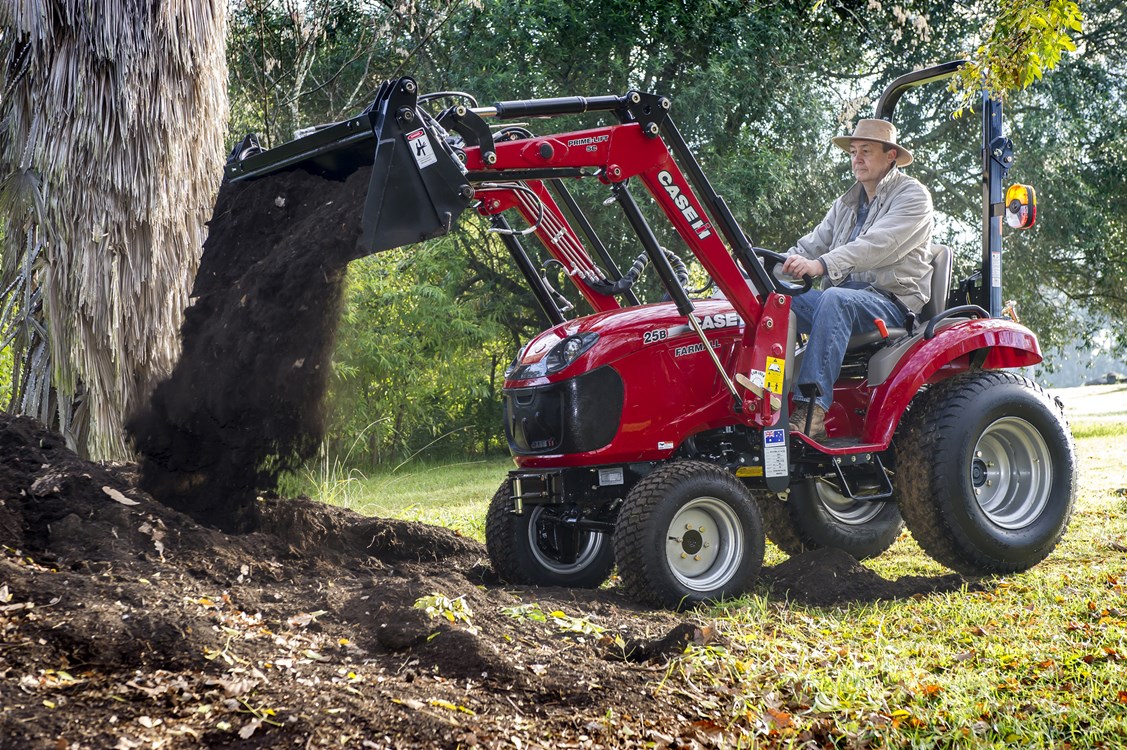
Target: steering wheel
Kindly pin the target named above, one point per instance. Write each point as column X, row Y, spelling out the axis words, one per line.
column 770, row 260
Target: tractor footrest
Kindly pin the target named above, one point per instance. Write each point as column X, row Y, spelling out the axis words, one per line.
column 871, row 468
column 844, row 446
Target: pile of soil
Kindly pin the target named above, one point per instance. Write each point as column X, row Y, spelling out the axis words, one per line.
column 826, row 577
column 126, row 624
column 246, row 399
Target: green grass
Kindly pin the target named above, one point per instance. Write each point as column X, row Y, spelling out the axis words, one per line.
column 1083, row 429
column 1095, row 411
column 454, row 495
column 1036, row 660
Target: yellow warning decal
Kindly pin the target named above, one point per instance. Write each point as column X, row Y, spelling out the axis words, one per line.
column 773, row 380
column 749, row 471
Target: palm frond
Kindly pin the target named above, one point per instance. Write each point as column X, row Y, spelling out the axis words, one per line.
column 115, row 115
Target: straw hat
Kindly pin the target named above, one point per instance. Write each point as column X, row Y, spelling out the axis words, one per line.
column 881, row 131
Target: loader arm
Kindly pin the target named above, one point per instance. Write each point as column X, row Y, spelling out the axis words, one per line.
column 425, row 171
column 615, row 154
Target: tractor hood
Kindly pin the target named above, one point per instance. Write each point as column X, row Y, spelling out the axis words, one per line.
column 588, row 343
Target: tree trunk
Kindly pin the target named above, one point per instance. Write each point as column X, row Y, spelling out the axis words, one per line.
column 116, row 114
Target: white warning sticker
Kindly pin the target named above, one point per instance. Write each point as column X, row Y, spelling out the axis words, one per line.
column 775, row 453
column 419, row 144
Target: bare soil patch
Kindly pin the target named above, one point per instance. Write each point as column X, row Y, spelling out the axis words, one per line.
column 126, row 624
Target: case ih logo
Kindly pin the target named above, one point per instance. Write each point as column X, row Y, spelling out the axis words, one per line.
column 699, row 225
column 722, row 320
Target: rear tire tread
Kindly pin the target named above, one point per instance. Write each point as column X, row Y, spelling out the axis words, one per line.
column 934, row 414
column 794, row 534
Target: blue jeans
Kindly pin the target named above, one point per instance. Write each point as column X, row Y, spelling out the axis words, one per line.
column 830, row 318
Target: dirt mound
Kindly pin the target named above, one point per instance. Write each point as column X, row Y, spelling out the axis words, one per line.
column 125, row 623
column 830, row 576
column 246, row 398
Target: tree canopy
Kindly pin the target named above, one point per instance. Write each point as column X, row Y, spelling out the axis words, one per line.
column 758, row 89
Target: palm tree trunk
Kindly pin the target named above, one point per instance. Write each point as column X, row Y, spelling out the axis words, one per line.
column 115, row 114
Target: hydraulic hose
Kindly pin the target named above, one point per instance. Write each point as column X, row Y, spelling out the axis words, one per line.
column 623, row 285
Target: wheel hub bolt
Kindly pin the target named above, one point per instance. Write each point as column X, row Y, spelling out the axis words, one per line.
column 688, row 527
column 683, row 555
column 696, row 557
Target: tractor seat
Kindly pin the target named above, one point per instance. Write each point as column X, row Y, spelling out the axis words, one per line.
column 940, row 286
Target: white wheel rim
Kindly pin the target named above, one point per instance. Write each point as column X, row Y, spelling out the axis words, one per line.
column 704, row 544
column 1011, row 473
column 589, row 546
column 843, row 509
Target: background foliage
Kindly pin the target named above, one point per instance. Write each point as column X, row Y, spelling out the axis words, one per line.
column 758, row 88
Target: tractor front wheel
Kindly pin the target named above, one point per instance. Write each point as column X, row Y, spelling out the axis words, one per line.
column 987, row 473
column 816, row 515
column 545, row 545
column 689, row 532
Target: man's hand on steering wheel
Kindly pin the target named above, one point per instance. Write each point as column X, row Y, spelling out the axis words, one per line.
column 798, row 266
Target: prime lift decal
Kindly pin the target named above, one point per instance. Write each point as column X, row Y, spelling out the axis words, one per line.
column 699, row 225
column 590, row 142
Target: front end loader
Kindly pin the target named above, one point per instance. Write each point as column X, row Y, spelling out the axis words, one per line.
column 654, row 437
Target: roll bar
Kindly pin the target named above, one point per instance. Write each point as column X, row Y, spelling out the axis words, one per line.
column 892, row 93
column 997, row 159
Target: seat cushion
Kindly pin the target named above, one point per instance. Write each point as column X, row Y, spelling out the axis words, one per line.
column 872, row 338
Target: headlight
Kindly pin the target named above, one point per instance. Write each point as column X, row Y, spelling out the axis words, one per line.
column 560, row 356
column 568, row 350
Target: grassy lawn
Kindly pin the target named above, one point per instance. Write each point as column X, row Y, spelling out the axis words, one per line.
column 454, row 495
column 1035, row 660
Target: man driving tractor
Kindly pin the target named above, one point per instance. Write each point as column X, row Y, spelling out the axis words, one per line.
column 873, row 247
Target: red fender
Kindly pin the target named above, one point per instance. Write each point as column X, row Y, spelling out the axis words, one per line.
column 1007, row 344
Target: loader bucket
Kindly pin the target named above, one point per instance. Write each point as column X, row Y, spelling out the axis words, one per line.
column 417, row 187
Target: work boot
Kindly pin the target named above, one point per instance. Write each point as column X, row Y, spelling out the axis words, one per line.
column 817, row 424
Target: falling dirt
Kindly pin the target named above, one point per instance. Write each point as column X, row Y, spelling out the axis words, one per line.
column 246, row 398
column 126, row 624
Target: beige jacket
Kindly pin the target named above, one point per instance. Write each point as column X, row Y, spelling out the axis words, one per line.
column 893, row 250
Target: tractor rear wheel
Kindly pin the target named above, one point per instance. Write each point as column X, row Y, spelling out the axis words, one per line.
column 816, row 516
column 987, row 473
column 544, row 545
column 689, row 532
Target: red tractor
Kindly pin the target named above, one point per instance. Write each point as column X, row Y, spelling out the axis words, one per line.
column 654, row 437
